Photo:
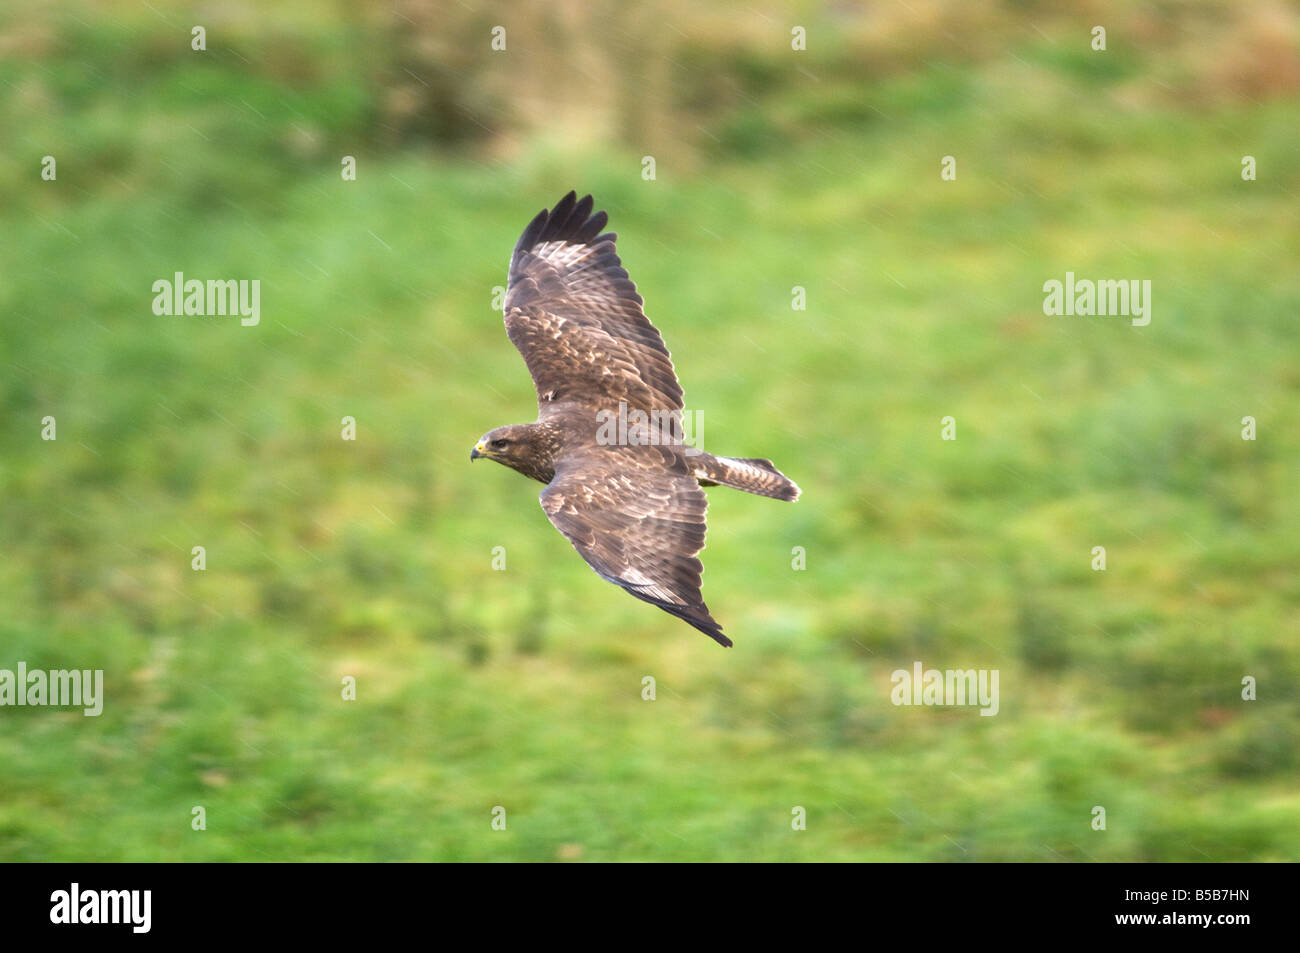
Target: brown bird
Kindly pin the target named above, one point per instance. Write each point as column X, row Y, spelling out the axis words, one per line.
column 622, row 482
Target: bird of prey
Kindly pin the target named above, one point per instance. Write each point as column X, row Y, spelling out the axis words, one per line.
column 627, row 497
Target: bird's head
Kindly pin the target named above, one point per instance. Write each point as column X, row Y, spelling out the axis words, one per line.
column 498, row 444
column 510, row 446
column 526, row 448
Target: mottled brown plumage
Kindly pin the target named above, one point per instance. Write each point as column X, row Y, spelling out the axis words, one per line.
column 633, row 509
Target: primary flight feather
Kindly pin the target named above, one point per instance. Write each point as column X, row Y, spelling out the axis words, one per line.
column 628, row 498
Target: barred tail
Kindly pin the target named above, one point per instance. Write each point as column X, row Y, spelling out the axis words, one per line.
column 751, row 474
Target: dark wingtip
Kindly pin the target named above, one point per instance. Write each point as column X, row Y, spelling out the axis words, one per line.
column 696, row 615
column 699, row 617
column 571, row 220
column 712, row 630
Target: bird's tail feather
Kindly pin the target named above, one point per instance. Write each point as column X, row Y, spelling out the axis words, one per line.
column 751, row 474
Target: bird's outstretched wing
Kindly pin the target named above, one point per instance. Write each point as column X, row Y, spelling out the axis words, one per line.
column 576, row 317
column 636, row 515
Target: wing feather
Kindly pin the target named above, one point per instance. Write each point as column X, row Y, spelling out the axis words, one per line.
column 576, row 317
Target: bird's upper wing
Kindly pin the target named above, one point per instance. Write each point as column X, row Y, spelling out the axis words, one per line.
column 576, row 317
column 636, row 515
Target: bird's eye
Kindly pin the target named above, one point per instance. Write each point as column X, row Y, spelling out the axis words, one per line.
column 498, row 444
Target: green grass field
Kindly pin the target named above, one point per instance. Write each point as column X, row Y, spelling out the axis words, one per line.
column 523, row 688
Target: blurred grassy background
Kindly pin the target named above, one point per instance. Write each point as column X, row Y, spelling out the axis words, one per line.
column 523, row 688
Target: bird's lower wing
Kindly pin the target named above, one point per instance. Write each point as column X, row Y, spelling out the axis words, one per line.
column 636, row 515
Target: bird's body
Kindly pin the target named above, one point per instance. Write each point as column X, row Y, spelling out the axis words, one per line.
column 628, row 499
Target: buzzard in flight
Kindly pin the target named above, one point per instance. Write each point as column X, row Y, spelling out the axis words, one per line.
column 627, row 496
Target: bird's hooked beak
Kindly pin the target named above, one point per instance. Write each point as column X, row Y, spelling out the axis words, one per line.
column 477, row 452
